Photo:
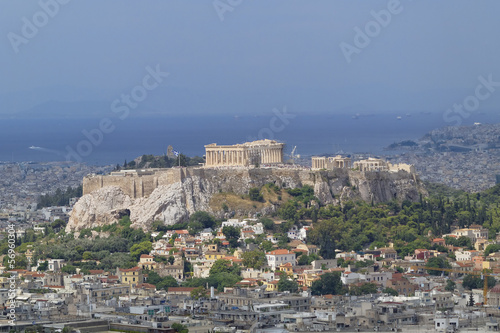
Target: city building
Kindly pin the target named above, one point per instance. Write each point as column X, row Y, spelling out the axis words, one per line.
column 279, row 257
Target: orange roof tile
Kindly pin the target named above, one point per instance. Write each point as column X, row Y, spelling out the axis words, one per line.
column 279, row 252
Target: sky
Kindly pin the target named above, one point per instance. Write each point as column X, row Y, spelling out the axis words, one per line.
column 241, row 57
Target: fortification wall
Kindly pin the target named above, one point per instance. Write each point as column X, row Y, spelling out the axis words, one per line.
column 134, row 185
column 379, row 186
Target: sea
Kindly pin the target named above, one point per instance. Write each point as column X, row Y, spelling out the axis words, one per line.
column 112, row 141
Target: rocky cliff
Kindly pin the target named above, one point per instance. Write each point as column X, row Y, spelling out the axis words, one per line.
column 194, row 191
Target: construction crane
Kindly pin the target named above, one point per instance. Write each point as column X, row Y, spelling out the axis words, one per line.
column 293, row 156
column 482, row 273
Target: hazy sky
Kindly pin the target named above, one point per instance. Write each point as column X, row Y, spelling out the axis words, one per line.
column 427, row 56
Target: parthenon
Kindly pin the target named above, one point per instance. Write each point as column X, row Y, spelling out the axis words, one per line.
column 249, row 153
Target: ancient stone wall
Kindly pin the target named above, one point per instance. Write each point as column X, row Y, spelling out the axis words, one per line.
column 134, row 185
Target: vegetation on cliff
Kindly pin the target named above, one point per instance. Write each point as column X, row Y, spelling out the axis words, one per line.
column 152, row 161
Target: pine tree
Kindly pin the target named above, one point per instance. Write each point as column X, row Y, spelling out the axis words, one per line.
column 471, row 300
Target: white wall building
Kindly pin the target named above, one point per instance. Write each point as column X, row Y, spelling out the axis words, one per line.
column 278, row 257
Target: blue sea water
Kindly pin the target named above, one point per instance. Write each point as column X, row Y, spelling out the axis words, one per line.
column 52, row 139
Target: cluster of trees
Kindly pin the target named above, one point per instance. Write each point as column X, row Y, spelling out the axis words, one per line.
column 152, row 161
column 461, row 241
column 330, row 283
column 161, row 282
column 197, row 222
column 255, row 195
column 356, row 225
column 222, row 274
column 476, row 282
column 60, row 197
column 121, row 249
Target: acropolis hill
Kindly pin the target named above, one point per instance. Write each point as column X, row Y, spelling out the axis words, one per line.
column 171, row 195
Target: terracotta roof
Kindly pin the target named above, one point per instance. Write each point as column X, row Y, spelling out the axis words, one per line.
column 96, row 271
column 146, row 285
column 133, row 269
column 279, row 252
column 146, row 256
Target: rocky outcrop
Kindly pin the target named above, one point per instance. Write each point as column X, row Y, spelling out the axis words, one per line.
column 102, row 207
column 174, row 203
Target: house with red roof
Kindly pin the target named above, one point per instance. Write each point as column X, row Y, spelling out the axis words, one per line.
column 279, row 257
column 147, row 262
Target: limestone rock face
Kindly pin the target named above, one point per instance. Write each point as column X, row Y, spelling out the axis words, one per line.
column 172, row 203
column 101, row 207
column 175, row 202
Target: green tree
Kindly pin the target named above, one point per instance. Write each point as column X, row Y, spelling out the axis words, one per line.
column 492, row 248
column 471, row 300
column 390, row 291
column 166, row 282
column 475, row 282
column 284, row 284
column 328, row 283
column 254, row 194
column 69, row 269
column 364, row 289
column 199, row 292
column 450, row 285
column 87, row 255
column 43, row 266
column 437, row 262
column 324, row 234
column 179, row 328
column 58, row 224
column 204, row 218
column 288, row 211
column 266, row 245
column 267, row 223
column 142, row 248
column 254, row 259
column 232, row 235
column 222, row 280
column 224, row 266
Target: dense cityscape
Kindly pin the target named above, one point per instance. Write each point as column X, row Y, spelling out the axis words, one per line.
column 287, row 268
column 233, row 166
